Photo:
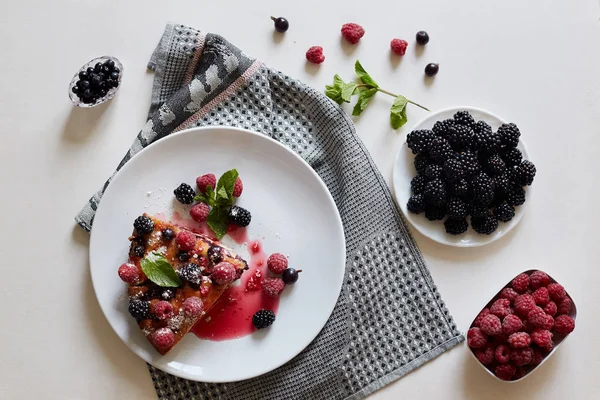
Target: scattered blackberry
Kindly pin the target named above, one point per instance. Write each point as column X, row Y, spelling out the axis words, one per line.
column 483, row 188
column 456, row 208
column 239, row 216
column 456, row 226
column 183, row 256
column 512, row 156
column 484, row 225
column 435, row 193
column 419, row 141
column 421, row 162
column 515, row 196
column 526, row 172
column 190, row 273
column 417, row 185
column 168, row 234
column 139, row 309
column 453, row 170
column 459, row 188
column 433, row 213
column 143, row 225
column 495, row 165
column 464, row 118
column 214, row 254
column 504, row 212
column 509, row 135
column 442, row 128
column 440, row 149
column 263, row 319
column 185, row 194
column 416, row 204
column 479, row 210
column 461, row 136
column 433, row 171
column 470, row 163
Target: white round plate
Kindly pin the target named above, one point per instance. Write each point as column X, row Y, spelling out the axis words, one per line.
column 292, row 213
column 404, row 171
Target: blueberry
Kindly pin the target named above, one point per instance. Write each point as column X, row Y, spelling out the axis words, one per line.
column 110, row 83
column 90, row 71
column 281, row 24
column 102, row 75
column 110, row 64
column 117, row 70
column 422, row 38
column 97, row 67
column 183, row 256
column 83, row 84
column 168, row 234
column 103, row 92
column 214, row 254
column 76, row 89
column 114, row 75
column 106, row 69
column 83, row 75
column 96, row 81
column 139, row 250
column 289, row 276
column 87, row 94
column 432, row 69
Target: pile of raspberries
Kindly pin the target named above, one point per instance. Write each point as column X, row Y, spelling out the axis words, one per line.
column 521, row 326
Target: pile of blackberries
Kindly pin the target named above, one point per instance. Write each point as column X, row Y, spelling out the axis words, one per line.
column 94, row 83
column 464, row 169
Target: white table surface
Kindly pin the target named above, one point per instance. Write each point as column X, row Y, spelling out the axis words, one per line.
column 536, row 63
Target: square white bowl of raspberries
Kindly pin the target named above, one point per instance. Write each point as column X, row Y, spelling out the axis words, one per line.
column 522, row 326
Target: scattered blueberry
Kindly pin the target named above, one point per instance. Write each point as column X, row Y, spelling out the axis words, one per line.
column 290, row 276
column 422, row 38
column 281, row 24
column 432, row 69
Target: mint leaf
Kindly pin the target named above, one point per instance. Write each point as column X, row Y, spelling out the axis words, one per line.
column 225, row 187
column 363, row 75
column 217, row 221
column 222, row 194
column 158, row 269
column 207, row 198
column 398, row 112
column 364, row 98
column 348, row 90
column 334, row 92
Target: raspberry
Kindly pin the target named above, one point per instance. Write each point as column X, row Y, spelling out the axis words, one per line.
column 511, row 324
column 502, row 353
column 509, row 294
column 541, row 296
column 255, row 281
column 476, row 339
column 200, row 212
column 224, row 273
column 186, row 240
column 163, row 310
column 505, row 371
column 548, row 322
column 486, row 355
column 193, row 307
column 277, row 263
column 352, row 32
column 521, row 356
column 238, row 187
column 519, row 373
column 550, row 308
column 491, row 325
column 163, row 338
column 564, row 324
column 315, row 55
column 537, row 357
column 204, row 290
column 557, row 292
column 519, row 340
column 564, row 307
column 501, row 308
column 539, row 279
column 523, row 304
column 521, row 283
column 483, row 313
column 129, row 273
column 536, row 317
column 206, row 180
column 542, row 337
column 273, row 287
column 399, row 46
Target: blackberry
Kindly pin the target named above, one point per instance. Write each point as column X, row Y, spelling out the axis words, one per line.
column 483, row 188
column 183, row 256
column 139, row 309
column 484, row 225
column 478, row 211
column 442, row 128
column 461, row 136
column 515, row 196
column 486, row 141
column 419, row 141
column 190, row 273
column 143, row 225
column 421, row 162
column 514, row 174
column 456, row 208
column 239, row 216
column 214, row 254
column 470, row 163
column 161, row 293
column 459, row 188
column 435, row 193
column 440, row 150
column 138, row 249
column 504, row 212
column 464, row 118
column 526, row 172
column 263, row 319
column 433, row 171
column 417, row 185
column 502, row 183
column 495, row 165
column 482, row 127
column 168, row 234
column 509, row 135
column 416, row 204
column 453, row 169
column 456, row 226
column 185, row 194
column 433, row 213
column 512, row 156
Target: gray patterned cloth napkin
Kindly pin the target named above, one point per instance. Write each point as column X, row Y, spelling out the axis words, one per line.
column 389, row 318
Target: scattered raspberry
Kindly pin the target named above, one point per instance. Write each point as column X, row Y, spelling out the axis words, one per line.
column 537, row 357
column 483, row 313
column 352, row 32
column 238, row 187
column 521, row 356
column 564, row 307
column 509, row 294
column 501, row 308
column 129, row 273
column 255, row 281
column 491, row 325
column 519, row 340
column 476, row 339
column 485, row 355
column 564, row 324
column 551, row 308
column 224, row 273
column 536, row 317
column 521, row 283
column 557, row 292
column 277, row 263
column 502, row 354
column 163, row 338
column 511, row 324
column 200, row 212
column 542, row 337
column 204, row 291
column 399, row 46
column 541, row 296
column 273, row 287
column 523, row 304
column 539, row 279
column 193, row 306
column 163, row 310
column 186, row 240
column 315, row 55
column 505, row 371
column 519, row 373
column 206, row 180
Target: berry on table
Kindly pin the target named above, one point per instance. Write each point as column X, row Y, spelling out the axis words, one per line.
column 281, row 24
column 143, row 225
column 456, row 226
column 184, row 193
column 199, row 212
column 557, row 292
column 491, row 325
column 193, row 306
column 519, row 340
column 521, row 283
column 315, row 55
column 238, row 188
column 290, row 276
column 139, row 309
column 501, row 308
column 224, row 273
column 432, row 69
column 186, row 240
column 277, row 263
column 273, row 287
column 129, row 273
column 263, row 319
column 505, row 371
column 206, row 180
column 352, row 32
column 563, row 324
column 502, row 354
column 399, row 46
column 476, row 339
column 163, row 338
column 422, row 38
column 511, row 324
column 239, row 216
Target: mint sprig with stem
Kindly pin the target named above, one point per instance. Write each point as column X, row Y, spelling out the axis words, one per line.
column 220, row 199
column 342, row 92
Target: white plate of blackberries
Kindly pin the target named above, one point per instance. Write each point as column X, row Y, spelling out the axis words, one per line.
column 463, row 177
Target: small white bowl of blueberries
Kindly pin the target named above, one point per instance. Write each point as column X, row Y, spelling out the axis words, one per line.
column 96, row 82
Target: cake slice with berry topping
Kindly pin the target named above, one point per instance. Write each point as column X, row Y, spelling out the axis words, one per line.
column 175, row 276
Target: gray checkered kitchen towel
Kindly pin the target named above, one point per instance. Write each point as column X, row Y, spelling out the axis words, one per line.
column 389, row 318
